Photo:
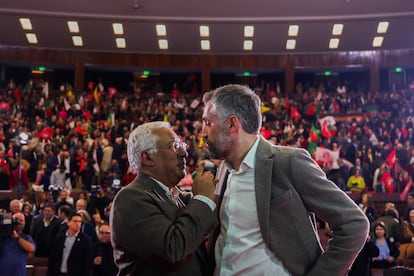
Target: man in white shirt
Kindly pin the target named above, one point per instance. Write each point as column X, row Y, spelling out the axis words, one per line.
column 266, row 194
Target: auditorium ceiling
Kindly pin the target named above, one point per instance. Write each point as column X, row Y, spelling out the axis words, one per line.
column 226, row 21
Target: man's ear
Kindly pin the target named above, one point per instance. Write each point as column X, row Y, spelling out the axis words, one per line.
column 146, row 159
column 233, row 122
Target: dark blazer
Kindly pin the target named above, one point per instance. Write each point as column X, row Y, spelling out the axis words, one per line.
column 289, row 184
column 43, row 236
column 80, row 261
column 152, row 236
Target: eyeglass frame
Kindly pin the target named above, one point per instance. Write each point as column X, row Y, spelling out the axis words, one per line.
column 175, row 146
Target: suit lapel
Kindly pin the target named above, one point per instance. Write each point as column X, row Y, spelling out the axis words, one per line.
column 263, row 178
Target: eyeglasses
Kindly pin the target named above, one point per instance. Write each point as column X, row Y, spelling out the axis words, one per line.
column 176, row 146
column 106, row 233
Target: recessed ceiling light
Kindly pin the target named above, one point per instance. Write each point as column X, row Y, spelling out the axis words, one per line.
column 161, row 30
column 31, row 38
column 120, row 42
column 337, row 29
column 204, row 31
column 26, row 24
column 333, row 43
column 290, row 44
column 118, row 28
column 77, row 40
column 73, row 26
column 293, row 30
column 377, row 42
column 248, row 45
column 205, row 45
column 248, row 31
column 163, row 44
column 382, row 27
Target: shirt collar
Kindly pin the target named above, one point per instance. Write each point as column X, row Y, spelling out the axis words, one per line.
column 249, row 160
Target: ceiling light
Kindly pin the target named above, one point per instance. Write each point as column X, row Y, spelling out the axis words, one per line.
column 333, row 43
column 204, row 31
column 382, row 27
column 377, row 42
column 290, row 44
column 205, row 45
column 77, row 40
column 73, row 26
column 161, row 30
column 31, row 38
column 337, row 29
column 120, row 42
column 118, row 28
column 248, row 31
column 293, row 30
column 163, row 44
column 26, row 24
column 248, row 45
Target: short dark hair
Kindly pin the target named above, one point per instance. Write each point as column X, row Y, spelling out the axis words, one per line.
column 74, row 214
column 66, row 210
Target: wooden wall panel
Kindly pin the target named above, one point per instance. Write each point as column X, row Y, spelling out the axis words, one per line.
column 206, row 63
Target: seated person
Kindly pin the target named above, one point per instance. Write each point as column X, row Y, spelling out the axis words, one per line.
column 388, row 250
column 407, row 239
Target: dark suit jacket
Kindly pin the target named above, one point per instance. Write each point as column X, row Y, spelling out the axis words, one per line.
column 80, row 261
column 289, row 184
column 152, row 236
column 43, row 236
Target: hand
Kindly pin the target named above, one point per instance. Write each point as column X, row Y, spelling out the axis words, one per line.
column 204, row 182
column 390, row 259
column 15, row 235
column 97, row 260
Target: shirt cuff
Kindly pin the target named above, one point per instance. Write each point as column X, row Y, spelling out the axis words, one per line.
column 207, row 201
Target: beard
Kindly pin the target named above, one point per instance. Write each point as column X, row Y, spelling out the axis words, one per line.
column 220, row 148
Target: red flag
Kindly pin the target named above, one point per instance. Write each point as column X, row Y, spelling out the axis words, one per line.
column 86, row 114
column 287, row 103
column 46, row 133
column 391, row 158
column 91, row 85
column 266, row 133
column 17, row 93
column 327, row 130
column 313, row 133
column 4, row 106
column 112, row 90
column 388, row 182
column 311, row 110
column 80, row 130
column 294, row 114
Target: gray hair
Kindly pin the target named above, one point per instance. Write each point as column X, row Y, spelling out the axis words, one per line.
column 238, row 100
column 16, row 201
column 143, row 139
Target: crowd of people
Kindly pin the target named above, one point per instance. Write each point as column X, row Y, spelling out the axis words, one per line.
column 78, row 141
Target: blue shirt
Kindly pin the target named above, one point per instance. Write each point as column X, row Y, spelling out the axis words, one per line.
column 13, row 257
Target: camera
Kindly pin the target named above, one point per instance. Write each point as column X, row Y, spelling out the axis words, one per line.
column 7, row 224
column 95, row 189
column 116, row 185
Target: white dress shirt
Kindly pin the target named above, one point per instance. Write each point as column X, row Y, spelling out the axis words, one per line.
column 240, row 248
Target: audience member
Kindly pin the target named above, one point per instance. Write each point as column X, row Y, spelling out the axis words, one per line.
column 44, row 228
column 406, row 245
column 15, row 249
column 71, row 252
column 388, row 249
column 103, row 262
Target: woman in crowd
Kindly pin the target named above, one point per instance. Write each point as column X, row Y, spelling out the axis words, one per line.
column 388, row 250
